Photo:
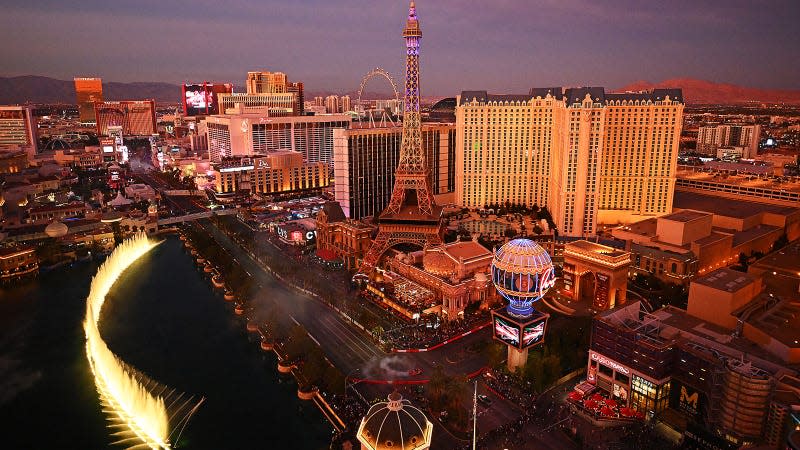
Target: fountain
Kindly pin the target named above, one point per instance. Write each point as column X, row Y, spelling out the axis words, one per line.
column 140, row 417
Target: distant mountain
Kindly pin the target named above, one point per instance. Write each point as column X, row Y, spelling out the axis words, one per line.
column 707, row 92
column 36, row 89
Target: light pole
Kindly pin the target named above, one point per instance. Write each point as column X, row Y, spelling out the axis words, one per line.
column 348, row 377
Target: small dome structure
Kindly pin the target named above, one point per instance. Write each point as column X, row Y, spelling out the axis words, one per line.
column 56, row 229
column 438, row 264
column 522, row 272
column 110, row 217
column 395, row 425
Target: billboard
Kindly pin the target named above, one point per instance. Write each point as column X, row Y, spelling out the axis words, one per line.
column 201, row 99
column 506, row 331
column 533, row 333
column 197, row 99
column 519, row 333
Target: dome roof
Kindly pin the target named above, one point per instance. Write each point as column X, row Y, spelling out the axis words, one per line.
column 395, row 425
column 438, row 264
column 56, row 229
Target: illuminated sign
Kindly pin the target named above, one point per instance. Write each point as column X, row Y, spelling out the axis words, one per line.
column 609, row 363
column 686, row 399
column 108, row 149
column 507, row 332
column 197, row 99
column 532, row 334
column 236, row 169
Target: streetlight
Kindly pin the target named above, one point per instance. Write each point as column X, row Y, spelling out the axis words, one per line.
column 347, row 377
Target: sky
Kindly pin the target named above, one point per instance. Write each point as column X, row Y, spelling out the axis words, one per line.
column 503, row 46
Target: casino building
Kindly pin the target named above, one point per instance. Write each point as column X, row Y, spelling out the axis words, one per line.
column 721, row 372
column 590, row 156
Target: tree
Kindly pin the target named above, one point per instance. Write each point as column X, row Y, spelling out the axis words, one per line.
column 780, row 242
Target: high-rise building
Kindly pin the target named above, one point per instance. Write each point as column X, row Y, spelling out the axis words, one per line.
column 710, row 138
column 344, row 104
column 136, row 117
column 275, row 83
column 332, row 104
column 274, row 104
column 18, row 130
column 319, row 101
column 277, row 173
column 266, row 82
column 87, row 92
column 365, row 160
column 591, row 157
column 249, row 134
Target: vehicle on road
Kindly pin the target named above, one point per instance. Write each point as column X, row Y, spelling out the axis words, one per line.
column 484, row 399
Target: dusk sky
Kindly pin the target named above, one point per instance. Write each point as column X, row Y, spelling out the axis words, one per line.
column 498, row 45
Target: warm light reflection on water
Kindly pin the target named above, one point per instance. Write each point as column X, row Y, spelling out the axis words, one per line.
column 137, row 415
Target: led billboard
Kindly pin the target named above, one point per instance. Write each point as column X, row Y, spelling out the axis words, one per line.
column 506, row 331
column 197, row 99
column 533, row 333
column 201, row 99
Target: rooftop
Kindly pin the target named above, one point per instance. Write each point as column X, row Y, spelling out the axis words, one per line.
column 776, row 317
column 726, row 280
column 598, row 249
column 727, row 207
column 467, row 250
column 685, row 216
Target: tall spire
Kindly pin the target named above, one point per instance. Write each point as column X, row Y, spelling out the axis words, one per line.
column 412, row 215
column 412, row 24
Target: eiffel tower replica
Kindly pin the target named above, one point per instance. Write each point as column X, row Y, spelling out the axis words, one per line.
column 412, row 216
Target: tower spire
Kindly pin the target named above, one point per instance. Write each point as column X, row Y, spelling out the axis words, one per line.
column 411, row 215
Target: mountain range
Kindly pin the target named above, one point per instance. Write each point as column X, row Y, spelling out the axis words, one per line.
column 38, row 89
column 708, row 92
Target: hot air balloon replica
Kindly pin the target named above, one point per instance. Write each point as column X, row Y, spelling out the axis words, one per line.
column 522, row 272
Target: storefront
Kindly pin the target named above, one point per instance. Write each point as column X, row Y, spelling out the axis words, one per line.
column 630, row 387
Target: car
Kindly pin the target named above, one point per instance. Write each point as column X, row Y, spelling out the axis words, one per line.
column 484, row 399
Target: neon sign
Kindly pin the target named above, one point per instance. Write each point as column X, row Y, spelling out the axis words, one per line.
column 607, row 362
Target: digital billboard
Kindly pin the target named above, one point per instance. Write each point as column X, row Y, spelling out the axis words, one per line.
column 197, row 99
column 506, row 331
column 201, row 99
column 533, row 333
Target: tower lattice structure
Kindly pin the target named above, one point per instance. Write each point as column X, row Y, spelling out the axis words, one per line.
column 412, row 215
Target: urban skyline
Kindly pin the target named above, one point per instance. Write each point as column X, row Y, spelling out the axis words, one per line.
column 469, row 44
column 555, row 267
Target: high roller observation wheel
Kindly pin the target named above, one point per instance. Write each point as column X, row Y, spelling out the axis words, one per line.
column 375, row 73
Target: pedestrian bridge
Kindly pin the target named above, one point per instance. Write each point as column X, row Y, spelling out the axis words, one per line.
column 197, row 216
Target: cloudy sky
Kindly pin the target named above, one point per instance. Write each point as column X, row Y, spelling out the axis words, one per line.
column 498, row 45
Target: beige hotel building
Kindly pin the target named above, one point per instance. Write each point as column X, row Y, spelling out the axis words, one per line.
column 590, row 156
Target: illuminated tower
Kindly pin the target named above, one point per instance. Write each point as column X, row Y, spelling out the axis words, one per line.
column 412, row 216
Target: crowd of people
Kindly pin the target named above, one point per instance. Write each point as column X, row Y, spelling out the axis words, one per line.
column 426, row 334
column 511, row 388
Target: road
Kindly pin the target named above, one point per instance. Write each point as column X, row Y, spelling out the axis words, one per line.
column 355, row 354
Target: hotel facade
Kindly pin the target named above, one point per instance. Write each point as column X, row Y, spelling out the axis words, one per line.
column 248, row 134
column 365, row 160
column 591, row 157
